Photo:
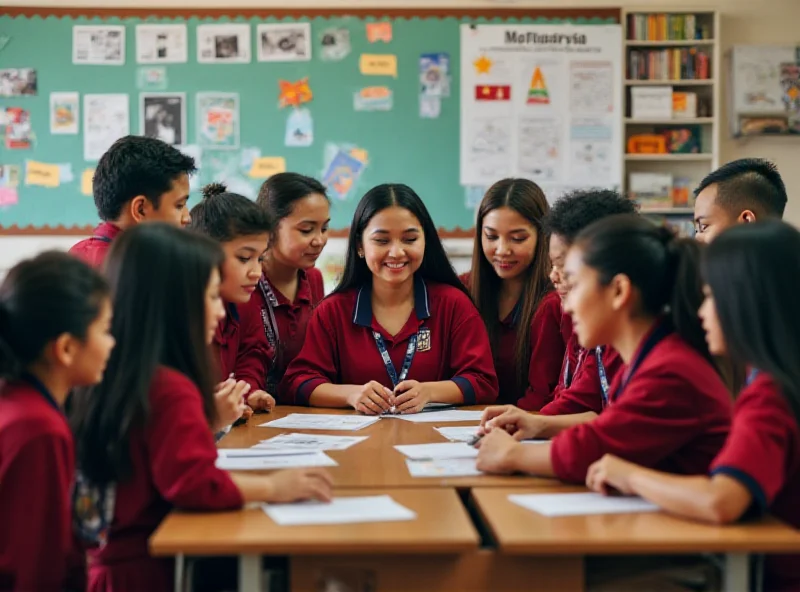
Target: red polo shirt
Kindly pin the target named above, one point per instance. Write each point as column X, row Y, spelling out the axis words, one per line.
column 291, row 318
column 673, row 415
column 93, row 250
column 340, row 347
column 762, row 452
column 37, row 469
column 173, row 460
column 242, row 345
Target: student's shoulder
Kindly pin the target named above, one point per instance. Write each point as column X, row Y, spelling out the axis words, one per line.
column 339, row 303
column 25, row 414
column 550, row 309
column 447, row 296
column 763, row 393
column 169, row 382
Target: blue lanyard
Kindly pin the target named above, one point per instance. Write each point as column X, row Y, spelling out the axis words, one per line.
column 387, row 361
column 653, row 340
column 601, row 370
column 568, row 376
column 752, row 376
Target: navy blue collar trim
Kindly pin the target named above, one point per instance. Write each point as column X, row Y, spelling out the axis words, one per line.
column 362, row 315
column 39, row 386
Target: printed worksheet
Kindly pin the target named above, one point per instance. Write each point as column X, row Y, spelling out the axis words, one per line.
column 438, row 416
column 445, row 467
column 284, row 461
column 308, row 442
column 579, row 504
column 459, row 433
column 438, row 451
column 307, row 421
column 342, row 510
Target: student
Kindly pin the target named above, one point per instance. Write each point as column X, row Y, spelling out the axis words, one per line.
column 143, row 440
column 750, row 313
column 290, row 286
column 243, row 229
column 399, row 331
column 510, row 286
column 137, row 180
column 741, row 191
column 54, row 335
column 636, row 287
column 586, row 375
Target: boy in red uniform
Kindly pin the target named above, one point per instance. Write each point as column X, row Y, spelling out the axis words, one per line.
column 137, row 180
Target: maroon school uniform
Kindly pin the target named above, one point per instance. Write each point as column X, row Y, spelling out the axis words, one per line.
column 291, row 319
column 669, row 410
column 172, row 467
column 37, row 468
column 93, row 250
column 763, row 453
column 242, row 346
column 340, row 347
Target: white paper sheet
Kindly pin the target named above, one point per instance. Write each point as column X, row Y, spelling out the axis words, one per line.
column 580, row 504
column 285, row 461
column 308, row 421
column 106, row 118
column 343, row 510
column 161, row 44
column 98, row 45
column 438, row 451
column 447, row 467
column 439, row 416
column 259, row 452
column 458, row 434
column 309, row 442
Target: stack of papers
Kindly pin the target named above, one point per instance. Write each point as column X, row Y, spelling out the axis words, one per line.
column 446, row 467
column 439, row 416
column 438, row 451
column 580, row 504
column 458, row 434
column 342, row 510
column 309, row 442
column 309, row 421
column 249, row 459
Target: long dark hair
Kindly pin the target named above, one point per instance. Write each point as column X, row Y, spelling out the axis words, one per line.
column 752, row 270
column 664, row 268
column 42, row 298
column 159, row 276
column 527, row 199
column 435, row 264
column 225, row 216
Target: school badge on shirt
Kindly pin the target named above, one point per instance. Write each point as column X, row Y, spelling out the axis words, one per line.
column 424, row 340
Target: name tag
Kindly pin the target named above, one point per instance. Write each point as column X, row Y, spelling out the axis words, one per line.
column 424, row 339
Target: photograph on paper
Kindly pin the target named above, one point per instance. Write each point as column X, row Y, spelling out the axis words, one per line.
column 17, row 82
column 223, row 44
column 98, row 45
column 64, row 112
column 161, row 44
column 284, row 42
column 106, row 118
column 218, row 120
column 163, row 116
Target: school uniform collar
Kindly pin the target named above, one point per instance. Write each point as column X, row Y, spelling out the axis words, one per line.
column 107, row 230
column 41, row 389
column 362, row 315
column 303, row 290
column 512, row 318
column 227, row 326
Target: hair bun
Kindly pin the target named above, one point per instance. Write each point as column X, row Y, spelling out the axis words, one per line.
column 213, row 189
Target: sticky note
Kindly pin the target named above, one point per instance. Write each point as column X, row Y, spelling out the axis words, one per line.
column 39, row 173
column 8, row 197
column 378, row 64
column 87, row 179
column 266, row 166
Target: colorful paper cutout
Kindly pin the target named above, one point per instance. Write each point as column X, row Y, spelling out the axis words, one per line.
column 493, row 92
column 380, row 31
column 294, row 94
column 373, row 98
column 42, row 174
column 8, row 197
column 343, row 170
column 483, row 65
column 378, row 64
column 538, row 93
column 299, row 129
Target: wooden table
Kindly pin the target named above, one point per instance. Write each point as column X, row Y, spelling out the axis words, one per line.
column 442, row 527
column 519, row 531
column 374, row 462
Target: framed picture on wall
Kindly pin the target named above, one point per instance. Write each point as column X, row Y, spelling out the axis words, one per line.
column 163, row 116
column 284, row 42
column 223, row 44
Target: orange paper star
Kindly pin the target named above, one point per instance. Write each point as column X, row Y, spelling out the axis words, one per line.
column 482, row 65
column 294, row 94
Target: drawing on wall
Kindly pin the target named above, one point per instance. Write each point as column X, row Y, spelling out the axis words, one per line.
column 161, row 44
column 537, row 90
column 64, row 112
column 591, row 87
column 223, row 44
column 289, row 42
column 540, row 149
column 98, row 45
column 163, row 116
column 434, row 74
column 17, row 82
column 488, row 147
column 19, row 133
column 335, row 44
column 344, row 165
column 106, row 118
column 299, row 129
column 757, row 77
column 218, row 120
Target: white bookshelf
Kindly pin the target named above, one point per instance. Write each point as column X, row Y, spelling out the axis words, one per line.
column 688, row 167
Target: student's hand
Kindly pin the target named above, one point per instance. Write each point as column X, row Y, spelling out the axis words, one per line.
column 300, row 484
column 497, row 452
column 247, row 413
column 261, row 401
column 520, row 424
column 372, row 399
column 411, row 396
column 610, row 473
column 229, row 401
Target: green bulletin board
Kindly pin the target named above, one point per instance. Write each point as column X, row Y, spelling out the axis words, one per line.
column 401, row 145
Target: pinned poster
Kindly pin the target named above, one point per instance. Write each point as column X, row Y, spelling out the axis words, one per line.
column 64, row 112
column 87, row 180
column 267, row 166
column 152, row 79
column 299, row 129
column 42, row 174
column 373, row 98
column 8, row 197
column 371, row 64
column 294, row 94
column 335, row 44
column 380, row 31
column 430, row 107
column 345, row 164
column 9, row 175
column 434, row 74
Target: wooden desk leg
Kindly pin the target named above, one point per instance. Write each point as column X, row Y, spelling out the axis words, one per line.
column 250, row 573
column 180, row 561
column 737, row 572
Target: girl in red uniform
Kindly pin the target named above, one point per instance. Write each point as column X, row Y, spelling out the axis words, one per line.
column 510, row 286
column 399, row 331
column 635, row 287
column 243, row 229
column 55, row 314
column 749, row 313
column 143, row 440
column 290, row 286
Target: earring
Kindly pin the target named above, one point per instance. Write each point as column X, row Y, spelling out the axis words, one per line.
column 361, row 254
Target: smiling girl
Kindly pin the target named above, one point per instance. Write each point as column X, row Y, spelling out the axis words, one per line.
column 510, row 285
column 399, row 331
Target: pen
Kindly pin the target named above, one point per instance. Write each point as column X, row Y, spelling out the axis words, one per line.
column 475, row 439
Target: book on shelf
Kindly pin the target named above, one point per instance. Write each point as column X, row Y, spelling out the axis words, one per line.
column 677, row 63
column 666, row 27
column 659, row 191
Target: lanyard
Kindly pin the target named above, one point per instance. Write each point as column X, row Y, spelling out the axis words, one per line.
column 653, row 340
column 568, row 376
column 271, row 330
column 601, row 371
column 752, row 376
column 387, row 361
column 105, row 239
column 37, row 384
